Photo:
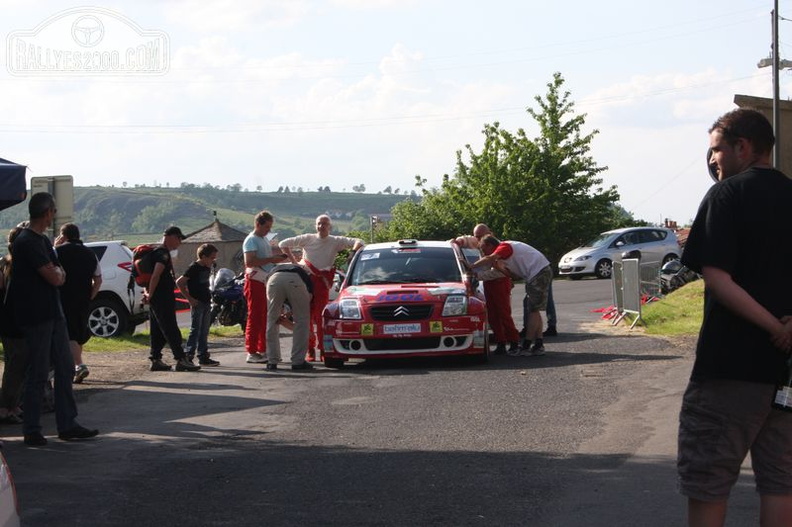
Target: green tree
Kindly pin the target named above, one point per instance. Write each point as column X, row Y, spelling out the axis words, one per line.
column 545, row 191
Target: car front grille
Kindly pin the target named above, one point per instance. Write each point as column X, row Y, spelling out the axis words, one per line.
column 401, row 312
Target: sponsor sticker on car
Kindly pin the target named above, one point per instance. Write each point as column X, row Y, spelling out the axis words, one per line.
column 395, row 329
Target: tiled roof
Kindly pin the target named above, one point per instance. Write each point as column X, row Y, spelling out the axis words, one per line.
column 682, row 236
column 216, row 232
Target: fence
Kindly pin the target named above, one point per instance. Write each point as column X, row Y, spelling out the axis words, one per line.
column 634, row 282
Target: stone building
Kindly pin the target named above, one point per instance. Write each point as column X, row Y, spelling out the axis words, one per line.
column 228, row 241
column 765, row 106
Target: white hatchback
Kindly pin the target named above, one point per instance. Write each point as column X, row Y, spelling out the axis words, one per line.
column 596, row 257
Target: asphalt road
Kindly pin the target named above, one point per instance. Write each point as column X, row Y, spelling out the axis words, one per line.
column 582, row 436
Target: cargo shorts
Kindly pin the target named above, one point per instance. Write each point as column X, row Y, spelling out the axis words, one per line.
column 536, row 290
column 720, row 422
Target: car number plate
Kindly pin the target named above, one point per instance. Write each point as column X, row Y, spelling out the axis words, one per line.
column 395, row 329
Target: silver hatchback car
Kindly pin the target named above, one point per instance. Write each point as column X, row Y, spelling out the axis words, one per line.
column 596, row 257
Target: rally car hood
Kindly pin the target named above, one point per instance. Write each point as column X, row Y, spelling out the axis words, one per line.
column 379, row 292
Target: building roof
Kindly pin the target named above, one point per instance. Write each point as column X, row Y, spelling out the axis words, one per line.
column 216, row 232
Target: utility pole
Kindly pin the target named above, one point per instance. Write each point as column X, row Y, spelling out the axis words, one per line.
column 775, row 61
column 776, row 104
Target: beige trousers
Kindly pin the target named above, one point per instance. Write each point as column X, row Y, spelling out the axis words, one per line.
column 283, row 286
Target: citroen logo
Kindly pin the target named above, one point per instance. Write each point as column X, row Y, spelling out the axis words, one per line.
column 401, row 311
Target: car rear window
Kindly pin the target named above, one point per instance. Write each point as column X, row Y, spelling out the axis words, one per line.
column 406, row 265
column 99, row 251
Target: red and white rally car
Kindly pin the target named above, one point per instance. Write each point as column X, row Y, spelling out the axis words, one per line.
column 406, row 299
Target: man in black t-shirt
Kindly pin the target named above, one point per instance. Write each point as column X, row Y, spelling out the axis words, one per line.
column 83, row 280
column 33, row 290
column 162, row 305
column 742, row 231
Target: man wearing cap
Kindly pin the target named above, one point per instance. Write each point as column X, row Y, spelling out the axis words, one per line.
column 162, row 304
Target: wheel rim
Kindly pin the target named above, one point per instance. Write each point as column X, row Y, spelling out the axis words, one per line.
column 103, row 321
column 604, row 269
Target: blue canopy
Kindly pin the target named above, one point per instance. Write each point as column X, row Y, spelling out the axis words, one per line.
column 13, row 187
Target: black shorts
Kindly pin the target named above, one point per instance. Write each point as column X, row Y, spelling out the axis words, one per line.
column 77, row 324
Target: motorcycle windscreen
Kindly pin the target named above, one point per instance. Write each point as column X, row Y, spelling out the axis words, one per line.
column 13, row 189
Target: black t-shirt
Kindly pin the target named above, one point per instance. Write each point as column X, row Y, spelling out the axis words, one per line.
column 167, row 282
column 198, row 281
column 33, row 299
column 80, row 264
column 744, row 227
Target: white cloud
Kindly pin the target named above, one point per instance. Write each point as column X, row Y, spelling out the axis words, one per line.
column 230, row 15
column 372, row 4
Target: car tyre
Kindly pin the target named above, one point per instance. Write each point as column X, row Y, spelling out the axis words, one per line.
column 668, row 258
column 604, row 268
column 107, row 318
column 334, row 363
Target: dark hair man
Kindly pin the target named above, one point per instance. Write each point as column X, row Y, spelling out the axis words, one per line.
column 83, row 280
column 37, row 275
column 742, row 229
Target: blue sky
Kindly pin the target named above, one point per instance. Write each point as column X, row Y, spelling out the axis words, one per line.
column 348, row 92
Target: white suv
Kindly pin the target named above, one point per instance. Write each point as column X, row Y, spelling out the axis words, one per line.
column 116, row 309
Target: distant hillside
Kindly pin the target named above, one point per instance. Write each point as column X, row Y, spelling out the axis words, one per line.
column 140, row 214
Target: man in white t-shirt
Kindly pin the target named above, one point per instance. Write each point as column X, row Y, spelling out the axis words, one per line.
column 318, row 258
column 523, row 262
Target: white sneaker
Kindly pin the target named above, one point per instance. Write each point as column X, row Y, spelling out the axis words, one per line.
column 256, row 358
column 80, row 373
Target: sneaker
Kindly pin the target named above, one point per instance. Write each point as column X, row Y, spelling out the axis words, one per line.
column 35, row 439
column 550, row 332
column 302, row 366
column 206, row 361
column 184, row 364
column 514, row 351
column 514, row 347
column 271, row 367
column 158, row 365
column 500, row 349
column 80, row 373
column 537, row 350
column 256, row 358
column 78, row 432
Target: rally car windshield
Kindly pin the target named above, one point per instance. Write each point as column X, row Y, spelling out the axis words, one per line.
column 406, row 266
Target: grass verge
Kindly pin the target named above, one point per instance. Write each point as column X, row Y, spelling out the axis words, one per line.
column 140, row 340
column 679, row 313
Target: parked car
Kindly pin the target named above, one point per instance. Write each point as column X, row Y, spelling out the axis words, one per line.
column 405, row 299
column 596, row 257
column 116, row 309
column 9, row 507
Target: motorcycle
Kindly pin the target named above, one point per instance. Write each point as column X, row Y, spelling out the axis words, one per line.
column 674, row 275
column 229, row 306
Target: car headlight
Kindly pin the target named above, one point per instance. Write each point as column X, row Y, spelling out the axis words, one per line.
column 349, row 308
column 581, row 258
column 455, row 305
